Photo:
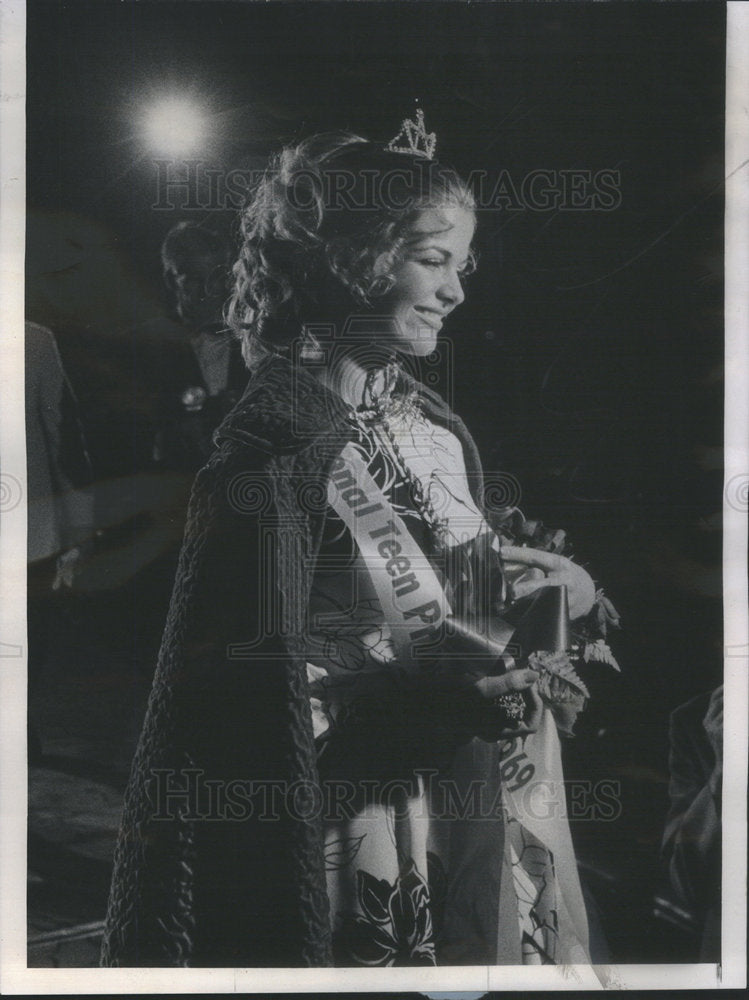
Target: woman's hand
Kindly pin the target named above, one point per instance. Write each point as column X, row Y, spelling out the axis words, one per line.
column 515, row 680
column 489, row 721
column 545, row 569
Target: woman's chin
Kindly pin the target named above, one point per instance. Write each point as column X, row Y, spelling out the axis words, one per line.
column 419, row 345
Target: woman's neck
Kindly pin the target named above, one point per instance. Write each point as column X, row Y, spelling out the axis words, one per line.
column 355, row 379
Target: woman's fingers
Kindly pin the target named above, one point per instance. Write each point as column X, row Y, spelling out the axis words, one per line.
column 532, row 720
column 516, row 571
column 548, row 561
column 525, row 587
column 560, row 571
column 582, row 596
column 513, row 680
column 581, row 590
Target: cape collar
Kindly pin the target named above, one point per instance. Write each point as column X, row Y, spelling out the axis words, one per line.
column 285, row 408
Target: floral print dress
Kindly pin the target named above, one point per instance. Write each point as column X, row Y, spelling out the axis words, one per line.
column 424, row 865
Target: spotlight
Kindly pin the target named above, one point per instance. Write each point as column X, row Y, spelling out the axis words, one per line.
column 175, row 126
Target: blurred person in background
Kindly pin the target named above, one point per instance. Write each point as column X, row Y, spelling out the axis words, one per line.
column 202, row 382
column 60, row 512
column 692, row 836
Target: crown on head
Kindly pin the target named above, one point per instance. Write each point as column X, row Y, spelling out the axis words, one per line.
column 414, row 133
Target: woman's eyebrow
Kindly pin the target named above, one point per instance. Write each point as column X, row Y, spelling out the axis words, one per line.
column 447, row 254
column 423, row 243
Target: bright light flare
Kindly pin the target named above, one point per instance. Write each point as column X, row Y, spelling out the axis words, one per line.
column 175, row 126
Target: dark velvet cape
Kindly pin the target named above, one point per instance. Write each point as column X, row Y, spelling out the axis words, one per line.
column 206, row 874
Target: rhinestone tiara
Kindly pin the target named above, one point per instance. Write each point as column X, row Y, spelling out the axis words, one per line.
column 418, row 142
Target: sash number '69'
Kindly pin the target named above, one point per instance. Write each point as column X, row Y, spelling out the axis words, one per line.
column 512, row 767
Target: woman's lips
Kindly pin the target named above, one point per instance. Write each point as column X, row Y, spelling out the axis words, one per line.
column 431, row 317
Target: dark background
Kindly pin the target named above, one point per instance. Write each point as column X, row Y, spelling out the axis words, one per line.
column 586, row 360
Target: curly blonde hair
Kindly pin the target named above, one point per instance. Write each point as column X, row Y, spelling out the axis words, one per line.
column 323, row 231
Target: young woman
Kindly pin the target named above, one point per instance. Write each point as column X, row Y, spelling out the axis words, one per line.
column 336, row 744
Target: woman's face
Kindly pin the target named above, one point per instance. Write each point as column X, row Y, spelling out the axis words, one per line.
column 428, row 279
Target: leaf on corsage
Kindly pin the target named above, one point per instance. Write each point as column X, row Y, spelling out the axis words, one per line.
column 605, row 613
column 558, row 683
column 599, row 652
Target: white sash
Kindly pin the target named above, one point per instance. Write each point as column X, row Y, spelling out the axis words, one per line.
column 534, row 795
column 413, row 601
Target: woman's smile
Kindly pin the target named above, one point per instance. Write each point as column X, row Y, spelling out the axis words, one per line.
column 428, row 280
column 432, row 317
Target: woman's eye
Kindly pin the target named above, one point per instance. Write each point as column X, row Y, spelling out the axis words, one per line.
column 431, row 262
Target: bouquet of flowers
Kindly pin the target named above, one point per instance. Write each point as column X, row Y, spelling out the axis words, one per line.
column 570, row 645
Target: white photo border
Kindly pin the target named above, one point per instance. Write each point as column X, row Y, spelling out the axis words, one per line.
column 15, row 977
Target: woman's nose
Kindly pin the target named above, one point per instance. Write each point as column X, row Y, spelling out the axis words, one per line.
column 451, row 290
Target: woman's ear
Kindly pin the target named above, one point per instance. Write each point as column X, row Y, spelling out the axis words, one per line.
column 381, row 265
column 382, row 280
